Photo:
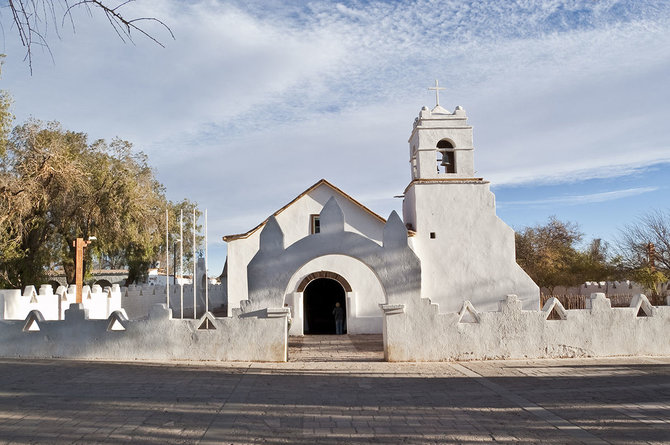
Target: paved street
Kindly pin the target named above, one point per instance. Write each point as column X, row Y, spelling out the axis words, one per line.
column 337, row 390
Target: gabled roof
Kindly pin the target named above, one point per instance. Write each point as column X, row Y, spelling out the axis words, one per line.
column 228, row 238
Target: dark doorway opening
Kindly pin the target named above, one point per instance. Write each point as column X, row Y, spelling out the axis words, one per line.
column 319, row 299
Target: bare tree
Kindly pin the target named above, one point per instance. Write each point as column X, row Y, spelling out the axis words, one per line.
column 646, row 243
column 34, row 18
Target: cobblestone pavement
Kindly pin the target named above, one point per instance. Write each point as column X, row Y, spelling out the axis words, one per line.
column 335, row 390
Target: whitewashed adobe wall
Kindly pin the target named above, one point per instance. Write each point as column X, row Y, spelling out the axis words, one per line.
column 99, row 302
column 362, row 305
column 273, row 269
column 295, row 224
column 158, row 337
column 466, row 251
column 418, row 332
column 138, row 300
column 610, row 287
column 471, row 255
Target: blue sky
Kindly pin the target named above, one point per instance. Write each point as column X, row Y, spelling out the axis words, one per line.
column 254, row 101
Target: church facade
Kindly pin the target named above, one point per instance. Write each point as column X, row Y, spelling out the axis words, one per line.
column 440, row 284
column 324, row 247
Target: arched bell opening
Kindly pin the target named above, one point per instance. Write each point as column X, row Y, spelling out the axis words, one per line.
column 446, row 156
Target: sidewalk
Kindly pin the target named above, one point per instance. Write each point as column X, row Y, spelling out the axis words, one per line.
column 334, row 391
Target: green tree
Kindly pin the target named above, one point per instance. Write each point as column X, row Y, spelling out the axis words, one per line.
column 595, row 263
column 57, row 187
column 187, row 208
column 649, row 277
column 6, row 117
column 547, row 253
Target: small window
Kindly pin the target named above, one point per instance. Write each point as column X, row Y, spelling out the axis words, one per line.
column 432, row 235
column 314, row 224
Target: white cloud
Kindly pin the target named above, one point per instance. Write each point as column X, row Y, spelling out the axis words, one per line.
column 580, row 199
column 255, row 101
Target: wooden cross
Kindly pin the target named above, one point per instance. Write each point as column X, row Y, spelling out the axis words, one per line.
column 437, row 89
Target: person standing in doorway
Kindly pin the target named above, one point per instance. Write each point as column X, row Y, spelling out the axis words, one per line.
column 338, row 313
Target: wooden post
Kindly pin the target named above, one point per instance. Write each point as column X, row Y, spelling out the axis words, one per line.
column 79, row 245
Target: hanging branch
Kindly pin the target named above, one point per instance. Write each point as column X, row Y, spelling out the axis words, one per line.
column 32, row 19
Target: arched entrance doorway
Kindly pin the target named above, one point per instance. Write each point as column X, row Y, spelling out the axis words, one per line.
column 319, row 299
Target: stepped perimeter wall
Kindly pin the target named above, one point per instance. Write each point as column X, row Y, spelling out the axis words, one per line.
column 261, row 336
column 418, row 332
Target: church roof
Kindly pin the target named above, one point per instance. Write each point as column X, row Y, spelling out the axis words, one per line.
column 228, row 238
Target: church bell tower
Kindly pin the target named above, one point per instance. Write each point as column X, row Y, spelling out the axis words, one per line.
column 441, row 144
column 466, row 251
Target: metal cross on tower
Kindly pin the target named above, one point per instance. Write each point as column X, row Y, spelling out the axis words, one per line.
column 437, row 89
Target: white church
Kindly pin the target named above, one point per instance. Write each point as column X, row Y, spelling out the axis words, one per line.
column 439, row 284
column 324, row 247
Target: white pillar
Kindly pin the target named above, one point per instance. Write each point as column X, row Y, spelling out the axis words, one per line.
column 181, row 263
column 167, row 257
column 206, row 277
column 195, row 269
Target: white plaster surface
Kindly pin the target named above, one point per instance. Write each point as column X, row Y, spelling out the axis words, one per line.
column 158, row 337
column 467, row 253
column 363, row 313
column 472, row 256
column 608, row 287
column 394, row 264
column 421, row 333
column 99, row 302
column 294, row 222
column 138, row 300
column 433, row 126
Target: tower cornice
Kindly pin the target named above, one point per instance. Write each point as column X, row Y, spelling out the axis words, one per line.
column 445, row 181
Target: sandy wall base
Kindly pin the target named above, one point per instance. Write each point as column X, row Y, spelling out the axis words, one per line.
column 418, row 332
column 260, row 337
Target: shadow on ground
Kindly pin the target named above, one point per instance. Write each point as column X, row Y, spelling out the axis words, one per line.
column 69, row 401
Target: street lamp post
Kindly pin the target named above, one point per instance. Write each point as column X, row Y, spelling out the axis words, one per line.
column 79, row 245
